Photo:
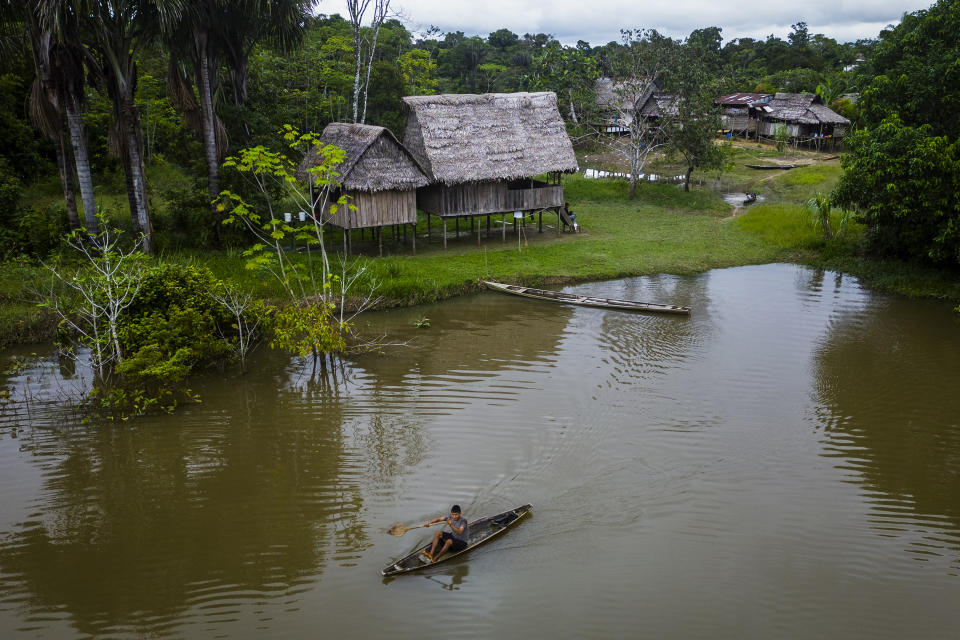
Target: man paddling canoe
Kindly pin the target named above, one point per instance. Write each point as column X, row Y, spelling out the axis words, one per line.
column 453, row 540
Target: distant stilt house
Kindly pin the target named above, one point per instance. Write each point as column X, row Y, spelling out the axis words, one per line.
column 619, row 102
column 807, row 119
column 740, row 112
column 485, row 153
column 378, row 176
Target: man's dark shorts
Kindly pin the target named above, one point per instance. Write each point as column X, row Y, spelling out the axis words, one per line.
column 458, row 545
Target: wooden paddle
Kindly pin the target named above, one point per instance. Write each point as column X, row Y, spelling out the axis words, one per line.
column 400, row 529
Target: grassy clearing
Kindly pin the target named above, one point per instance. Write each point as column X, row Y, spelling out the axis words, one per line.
column 662, row 230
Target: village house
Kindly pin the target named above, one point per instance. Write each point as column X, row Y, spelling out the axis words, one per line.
column 808, row 121
column 619, row 102
column 495, row 153
column 379, row 177
column 740, row 112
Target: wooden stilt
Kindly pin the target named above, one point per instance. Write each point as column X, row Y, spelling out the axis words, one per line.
column 444, row 234
column 540, row 222
column 380, row 241
column 458, row 226
column 429, row 231
column 503, row 226
column 488, row 225
column 413, row 234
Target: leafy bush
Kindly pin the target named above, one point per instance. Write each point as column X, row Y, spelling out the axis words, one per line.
column 173, row 311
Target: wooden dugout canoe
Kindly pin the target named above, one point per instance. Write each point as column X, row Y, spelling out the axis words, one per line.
column 480, row 531
column 586, row 301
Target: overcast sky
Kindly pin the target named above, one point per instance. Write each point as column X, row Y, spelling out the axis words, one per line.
column 600, row 21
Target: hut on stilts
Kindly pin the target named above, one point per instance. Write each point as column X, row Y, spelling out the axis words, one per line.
column 379, row 177
column 807, row 120
column 484, row 155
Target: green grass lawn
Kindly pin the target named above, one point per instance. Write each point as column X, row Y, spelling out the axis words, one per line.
column 663, row 230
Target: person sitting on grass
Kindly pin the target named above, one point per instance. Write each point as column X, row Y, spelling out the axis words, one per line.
column 454, row 540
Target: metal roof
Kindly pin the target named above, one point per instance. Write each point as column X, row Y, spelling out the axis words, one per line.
column 744, row 98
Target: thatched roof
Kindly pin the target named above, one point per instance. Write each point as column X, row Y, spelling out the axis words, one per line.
column 494, row 136
column 802, row 108
column 624, row 95
column 375, row 160
column 659, row 105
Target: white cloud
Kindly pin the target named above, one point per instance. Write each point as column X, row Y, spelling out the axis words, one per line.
column 600, row 21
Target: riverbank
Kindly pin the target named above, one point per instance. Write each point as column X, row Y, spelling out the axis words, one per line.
column 662, row 230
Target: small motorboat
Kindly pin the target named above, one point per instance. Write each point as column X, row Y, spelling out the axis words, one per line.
column 480, row 531
column 750, row 199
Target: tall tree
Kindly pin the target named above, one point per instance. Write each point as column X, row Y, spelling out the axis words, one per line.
column 194, row 41
column 113, row 30
column 52, row 28
column 246, row 23
column 691, row 130
column 901, row 172
column 357, row 10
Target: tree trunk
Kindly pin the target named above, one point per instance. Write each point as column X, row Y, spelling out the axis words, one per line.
column 573, row 113
column 686, row 180
column 130, row 121
column 356, row 76
column 239, row 73
column 65, row 166
column 84, row 176
column 378, row 20
column 208, row 121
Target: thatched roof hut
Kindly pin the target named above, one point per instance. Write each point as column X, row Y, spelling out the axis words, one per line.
column 378, row 175
column 460, row 138
column 802, row 108
column 375, row 159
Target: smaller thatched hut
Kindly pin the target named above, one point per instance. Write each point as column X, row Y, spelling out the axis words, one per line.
column 379, row 177
column 805, row 116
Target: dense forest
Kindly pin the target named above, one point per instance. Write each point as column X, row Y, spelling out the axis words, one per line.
column 191, row 87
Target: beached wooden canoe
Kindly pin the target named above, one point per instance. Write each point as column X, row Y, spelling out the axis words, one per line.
column 774, row 167
column 480, row 531
column 586, row 301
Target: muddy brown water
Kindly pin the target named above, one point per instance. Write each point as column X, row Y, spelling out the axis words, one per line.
column 783, row 463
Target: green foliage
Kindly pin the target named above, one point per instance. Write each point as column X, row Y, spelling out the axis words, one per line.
column 781, row 137
column 308, row 330
column 915, row 71
column 904, row 183
column 173, row 318
column 24, row 152
column 419, row 72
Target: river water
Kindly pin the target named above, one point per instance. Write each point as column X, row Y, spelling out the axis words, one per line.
column 783, row 463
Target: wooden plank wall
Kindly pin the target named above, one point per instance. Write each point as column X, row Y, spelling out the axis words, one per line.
column 377, row 209
column 479, row 198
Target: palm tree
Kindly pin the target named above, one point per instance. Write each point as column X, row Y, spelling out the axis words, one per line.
column 247, row 23
column 51, row 30
column 112, row 30
column 194, row 42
